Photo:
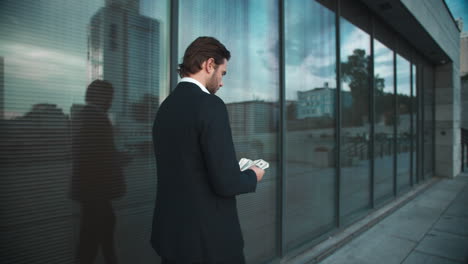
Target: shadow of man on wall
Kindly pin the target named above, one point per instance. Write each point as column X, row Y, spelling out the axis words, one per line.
column 97, row 174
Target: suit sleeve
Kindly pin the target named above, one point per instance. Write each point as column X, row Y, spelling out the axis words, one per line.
column 217, row 147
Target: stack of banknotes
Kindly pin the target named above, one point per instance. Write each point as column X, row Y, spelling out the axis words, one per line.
column 247, row 163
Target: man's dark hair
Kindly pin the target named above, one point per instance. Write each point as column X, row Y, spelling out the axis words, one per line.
column 200, row 50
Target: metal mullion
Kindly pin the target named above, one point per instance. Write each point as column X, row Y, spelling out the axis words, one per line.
column 281, row 243
column 421, row 84
column 418, row 145
column 412, row 143
column 338, row 116
column 174, row 43
column 419, row 127
column 433, row 120
column 372, row 114
column 395, row 142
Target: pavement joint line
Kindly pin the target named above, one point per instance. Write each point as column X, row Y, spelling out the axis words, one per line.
column 342, row 237
column 405, row 238
column 451, row 233
column 432, row 255
column 409, row 253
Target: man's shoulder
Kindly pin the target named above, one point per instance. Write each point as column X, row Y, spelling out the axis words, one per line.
column 211, row 101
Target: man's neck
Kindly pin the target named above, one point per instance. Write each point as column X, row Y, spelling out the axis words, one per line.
column 195, row 81
column 198, row 77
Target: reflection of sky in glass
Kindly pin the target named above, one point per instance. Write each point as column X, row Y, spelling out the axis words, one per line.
column 249, row 30
column 310, row 47
column 415, row 93
column 352, row 38
column 403, row 76
column 383, row 65
column 44, row 44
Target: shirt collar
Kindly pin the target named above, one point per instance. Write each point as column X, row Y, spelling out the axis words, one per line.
column 192, row 80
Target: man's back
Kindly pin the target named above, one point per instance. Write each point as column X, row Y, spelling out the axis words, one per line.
column 195, row 216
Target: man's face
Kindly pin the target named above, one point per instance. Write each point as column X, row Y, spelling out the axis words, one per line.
column 216, row 80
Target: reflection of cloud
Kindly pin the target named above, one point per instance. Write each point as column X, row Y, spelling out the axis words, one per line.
column 383, row 65
column 316, row 63
column 353, row 38
column 298, row 78
column 403, row 76
column 60, row 77
column 384, row 58
column 384, row 71
column 40, row 64
column 403, row 66
column 262, row 85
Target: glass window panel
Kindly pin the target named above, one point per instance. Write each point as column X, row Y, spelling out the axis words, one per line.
column 414, row 126
column 249, row 29
column 355, row 131
column 310, row 122
column 79, row 181
column 384, row 152
column 403, row 122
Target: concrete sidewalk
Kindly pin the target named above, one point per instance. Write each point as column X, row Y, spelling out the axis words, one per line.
column 431, row 228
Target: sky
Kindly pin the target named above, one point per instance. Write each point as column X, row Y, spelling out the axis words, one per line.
column 459, row 8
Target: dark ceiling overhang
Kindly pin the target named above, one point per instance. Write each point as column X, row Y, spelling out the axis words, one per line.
column 402, row 21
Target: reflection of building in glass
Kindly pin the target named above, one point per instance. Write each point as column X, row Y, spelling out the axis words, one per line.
column 42, row 134
column 124, row 49
column 320, row 102
column 2, row 87
column 75, row 110
column 250, row 117
column 254, row 126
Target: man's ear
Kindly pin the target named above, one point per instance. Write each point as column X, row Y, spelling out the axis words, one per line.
column 210, row 65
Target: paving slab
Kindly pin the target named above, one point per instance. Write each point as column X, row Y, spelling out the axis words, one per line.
column 445, row 245
column 370, row 249
column 438, row 199
column 417, row 257
column 412, row 224
column 458, row 208
column 453, row 225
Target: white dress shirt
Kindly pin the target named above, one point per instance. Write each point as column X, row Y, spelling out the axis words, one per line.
column 192, row 80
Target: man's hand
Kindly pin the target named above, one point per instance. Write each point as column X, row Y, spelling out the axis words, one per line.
column 259, row 172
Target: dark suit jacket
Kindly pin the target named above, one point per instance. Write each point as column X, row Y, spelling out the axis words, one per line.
column 195, row 217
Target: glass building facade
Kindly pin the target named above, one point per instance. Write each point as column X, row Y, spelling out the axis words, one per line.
column 339, row 104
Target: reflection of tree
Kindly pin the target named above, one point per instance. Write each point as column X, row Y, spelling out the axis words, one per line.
column 356, row 73
column 291, row 111
column 384, row 107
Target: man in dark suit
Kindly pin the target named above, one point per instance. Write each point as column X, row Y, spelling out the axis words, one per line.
column 195, row 217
